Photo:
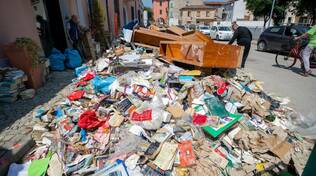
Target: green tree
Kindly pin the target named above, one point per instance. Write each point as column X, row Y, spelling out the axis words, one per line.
column 305, row 7
column 280, row 11
column 262, row 8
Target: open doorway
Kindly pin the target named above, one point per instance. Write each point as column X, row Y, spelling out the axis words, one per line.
column 49, row 25
column 42, row 25
column 56, row 24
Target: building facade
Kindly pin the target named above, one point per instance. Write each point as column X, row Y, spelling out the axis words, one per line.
column 121, row 12
column 160, row 11
column 291, row 18
column 226, row 10
column 174, row 9
column 232, row 10
column 21, row 14
column 17, row 20
column 198, row 15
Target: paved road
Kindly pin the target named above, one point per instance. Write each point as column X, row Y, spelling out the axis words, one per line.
column 283, row 82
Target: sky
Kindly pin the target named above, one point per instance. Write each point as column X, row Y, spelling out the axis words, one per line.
column 147, row 3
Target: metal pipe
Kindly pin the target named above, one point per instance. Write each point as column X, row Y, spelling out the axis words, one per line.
column 232, row 12
column 107, row 15
column 273, row 3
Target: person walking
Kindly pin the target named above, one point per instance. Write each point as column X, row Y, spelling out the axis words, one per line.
column 73, row 31
column 306, row 52
column 244, row 37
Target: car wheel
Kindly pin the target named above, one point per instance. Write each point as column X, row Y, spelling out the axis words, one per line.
column 217, row 37
column 261, row 46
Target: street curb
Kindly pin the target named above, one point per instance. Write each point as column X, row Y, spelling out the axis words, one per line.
column 20, row 146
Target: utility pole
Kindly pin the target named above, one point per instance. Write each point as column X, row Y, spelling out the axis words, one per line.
column 273, row 3
column 232, row 12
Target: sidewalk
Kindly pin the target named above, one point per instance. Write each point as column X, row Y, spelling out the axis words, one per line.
column 17, row 121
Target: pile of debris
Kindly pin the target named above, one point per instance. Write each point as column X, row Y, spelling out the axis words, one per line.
column 136, row 115
column 12, row 85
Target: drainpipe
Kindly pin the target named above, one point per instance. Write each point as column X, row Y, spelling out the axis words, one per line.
column 107, row 14
column 135, row 13
column 232, row 15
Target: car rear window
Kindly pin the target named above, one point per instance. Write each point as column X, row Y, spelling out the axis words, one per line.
column 301, row 29
column 204, row 27
column 275, row 30
column 223, row 28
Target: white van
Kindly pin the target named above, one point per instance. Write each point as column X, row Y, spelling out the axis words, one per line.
column 221, row 33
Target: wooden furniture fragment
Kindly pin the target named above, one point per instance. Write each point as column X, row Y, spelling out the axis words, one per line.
column 192, row 48
column 176, row 30
column 197, row 49
column 196, row 36
column 151, row 37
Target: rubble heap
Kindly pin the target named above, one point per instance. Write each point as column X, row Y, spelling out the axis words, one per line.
column 135, row 115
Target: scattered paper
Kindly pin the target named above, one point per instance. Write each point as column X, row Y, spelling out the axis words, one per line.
column 166, row 157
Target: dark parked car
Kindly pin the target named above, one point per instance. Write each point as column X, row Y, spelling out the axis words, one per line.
column 278, row 38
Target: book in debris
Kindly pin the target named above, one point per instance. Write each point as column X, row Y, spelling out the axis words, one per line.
column 11, row 84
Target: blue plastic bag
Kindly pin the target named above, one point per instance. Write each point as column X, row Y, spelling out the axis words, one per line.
column 185, row 78
column 131, row 25
column 56, row 60
column 102, row 84
column 80, row 70
column 73, row 58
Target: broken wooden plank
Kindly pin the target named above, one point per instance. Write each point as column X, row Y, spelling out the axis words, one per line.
column 147, row 46
column 182, row 51
column 196, row 36
column 202, row 54
column 176, row 30
column 151, row 37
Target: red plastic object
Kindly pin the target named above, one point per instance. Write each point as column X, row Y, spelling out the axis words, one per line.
column 88, row 77
column 220, row 83
column 88, row 120
column 145, row 115
column 199, row 119
column 76, row 95
column 81, row 83
column 222, row 89
column 66, row 124
column 187, row 156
